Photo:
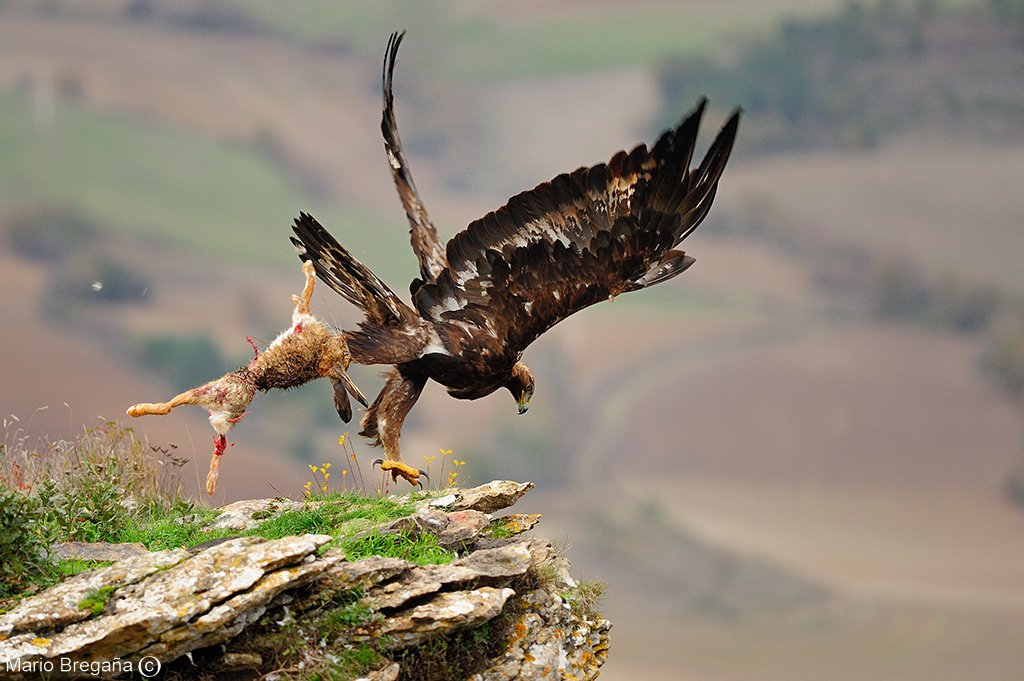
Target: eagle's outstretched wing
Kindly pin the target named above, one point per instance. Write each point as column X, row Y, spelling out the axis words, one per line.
column 425, row 242
column 581, row 238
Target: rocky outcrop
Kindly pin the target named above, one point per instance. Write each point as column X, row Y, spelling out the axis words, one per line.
column 503, row 609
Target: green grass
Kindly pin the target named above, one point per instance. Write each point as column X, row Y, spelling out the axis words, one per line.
column 73, row 566
column 345, row 610
column 421, row 549
column 96, row 601
column 351, row 663
column 335, row 510
column 162, row 531
column 159, row 530
column 584, row 598
column 330, row 515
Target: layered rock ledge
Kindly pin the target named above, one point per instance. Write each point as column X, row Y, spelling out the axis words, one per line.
column 248, row 607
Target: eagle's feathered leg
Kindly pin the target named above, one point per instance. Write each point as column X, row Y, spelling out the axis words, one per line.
column 383, row 422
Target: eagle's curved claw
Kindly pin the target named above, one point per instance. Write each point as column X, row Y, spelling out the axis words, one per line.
column 397, row 468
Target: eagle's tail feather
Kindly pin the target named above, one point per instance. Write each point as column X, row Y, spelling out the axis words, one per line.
column 336, row 267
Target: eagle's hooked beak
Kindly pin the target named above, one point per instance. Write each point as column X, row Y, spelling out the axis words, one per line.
column 523, row 402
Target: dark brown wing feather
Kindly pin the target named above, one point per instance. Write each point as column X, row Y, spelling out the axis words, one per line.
column 425, row 241
column 336, row 267
column 579, row 239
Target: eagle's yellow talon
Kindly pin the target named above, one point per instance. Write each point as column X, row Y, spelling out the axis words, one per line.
column 398, row 468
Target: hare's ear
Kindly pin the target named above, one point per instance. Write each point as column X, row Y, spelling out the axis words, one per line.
column 341, row 401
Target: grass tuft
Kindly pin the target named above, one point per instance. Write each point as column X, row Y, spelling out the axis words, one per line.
column 353, row 662
column 344, row 610
column 21, row 544
column 96, row 601
column 91, row 488
column 457, row 655
column 74, row 566
column 421, row 549
column 584, row 598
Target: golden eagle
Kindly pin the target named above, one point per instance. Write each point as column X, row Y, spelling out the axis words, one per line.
column 480, row 300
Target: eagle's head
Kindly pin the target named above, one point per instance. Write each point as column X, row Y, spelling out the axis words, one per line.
column 520, row 384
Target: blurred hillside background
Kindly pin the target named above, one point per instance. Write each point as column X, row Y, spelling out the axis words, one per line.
column 802, row 460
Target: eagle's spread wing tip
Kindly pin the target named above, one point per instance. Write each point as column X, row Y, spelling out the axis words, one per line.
column 390, row 57
column 426, row 243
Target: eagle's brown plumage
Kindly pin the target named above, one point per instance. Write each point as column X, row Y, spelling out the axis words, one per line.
column 581, row 238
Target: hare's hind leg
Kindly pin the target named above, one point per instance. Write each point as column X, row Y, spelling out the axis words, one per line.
column 301, row 303
column 161, row 408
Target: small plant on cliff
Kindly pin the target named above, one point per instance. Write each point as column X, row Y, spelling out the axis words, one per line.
column 581, row 597
column 348, row 480
column 321, row 481
column 22, row 545
column 457, row 655
column 442, row 482
column 96, row 601
column 346, row 611
column 584, row 597
column 94, row 487
column 356, row 661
